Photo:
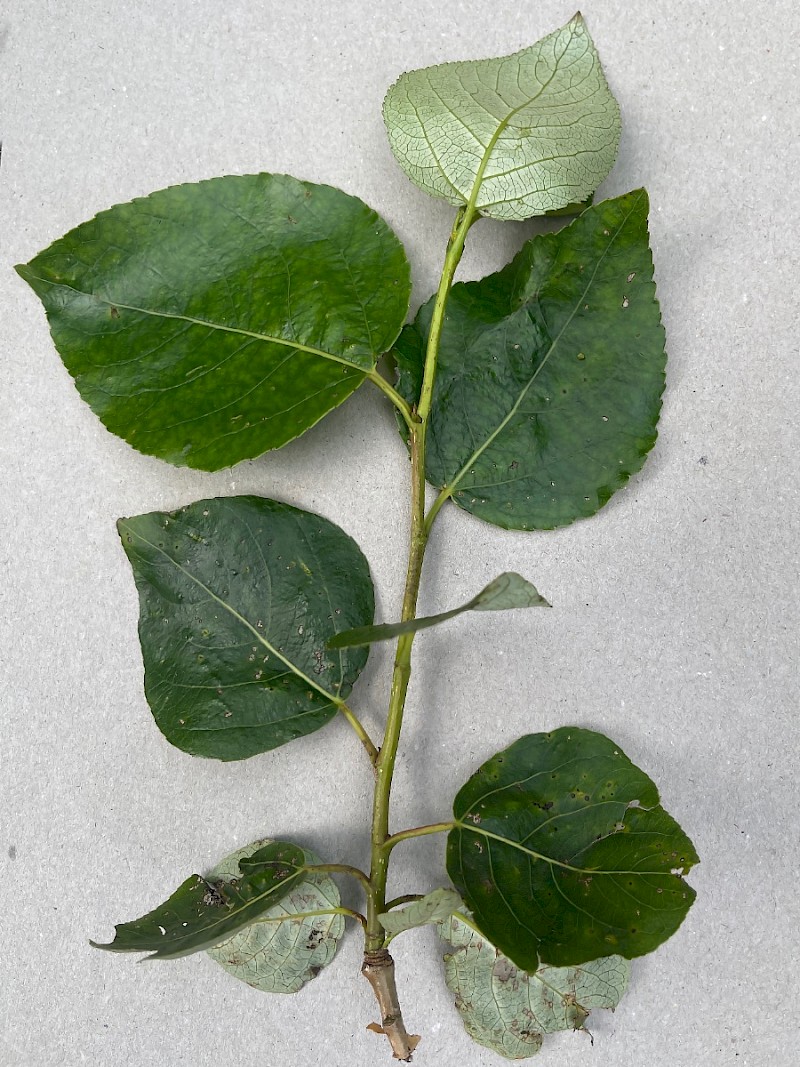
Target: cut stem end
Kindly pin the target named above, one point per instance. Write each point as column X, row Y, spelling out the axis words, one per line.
column 378, row 969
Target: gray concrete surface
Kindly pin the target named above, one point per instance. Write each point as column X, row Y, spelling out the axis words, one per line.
column 675, row 626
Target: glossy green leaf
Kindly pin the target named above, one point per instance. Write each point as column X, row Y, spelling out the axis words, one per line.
column 563, row 853
column 277, row 954
column 550, row 374
column 510, row 1011
column 432, row 908
column 508, row 590
column 208, row 323
column 514, row 137
column 238, row 599
column 202, row 913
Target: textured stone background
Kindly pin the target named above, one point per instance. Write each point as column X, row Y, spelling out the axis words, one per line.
column 675, row 626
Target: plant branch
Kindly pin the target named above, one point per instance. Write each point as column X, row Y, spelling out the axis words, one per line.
column 417, row 831
column 378, row 969
column 465, row 216
column 378, row 964
column 384, row 765
column 400, row 678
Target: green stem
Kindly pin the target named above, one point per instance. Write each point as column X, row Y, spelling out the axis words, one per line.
column 465, row 216
column 384, row 766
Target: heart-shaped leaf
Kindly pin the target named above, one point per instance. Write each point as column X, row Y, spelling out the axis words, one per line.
column 277, row 954
column 208, row 323
column 523, row 135
column 508, row 590
column 432, row 908
column 550, row 374
column 563, row 854
column 201, row 913
column 510, row 1011
column 238, row 599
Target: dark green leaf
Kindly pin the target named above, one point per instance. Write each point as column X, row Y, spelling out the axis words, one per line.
column 516, row 136
column 208, row 323
column 550, row 374
column 508, row 590
column 238, row 599
column 432, row 908
column 510, row 1011
column 563, row 854
column 201, row 913
column 276, row 954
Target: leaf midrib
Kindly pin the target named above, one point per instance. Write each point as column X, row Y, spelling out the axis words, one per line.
column 472, row 829
column 501, row 128
column 268, row 338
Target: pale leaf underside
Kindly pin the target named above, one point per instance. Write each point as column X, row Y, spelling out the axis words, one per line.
column 509, row 1010
column 514, row 137
column 277, row 956
column 432, row 908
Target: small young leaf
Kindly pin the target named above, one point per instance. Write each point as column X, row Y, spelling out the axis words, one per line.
column 518, row 136
column 432, row 908
column 550, row 374
column 281, row 957
column 201, row 913
column 238, row 598
column 563, row 854
column 208, row 323
column 510, row 1011
column 508, row 590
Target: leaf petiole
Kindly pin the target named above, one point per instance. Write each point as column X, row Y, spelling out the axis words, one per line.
column 407, row 898
column 360, row 732
column 389, row 391
column 309, row 914
column 417, row 831
column 342, row 868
